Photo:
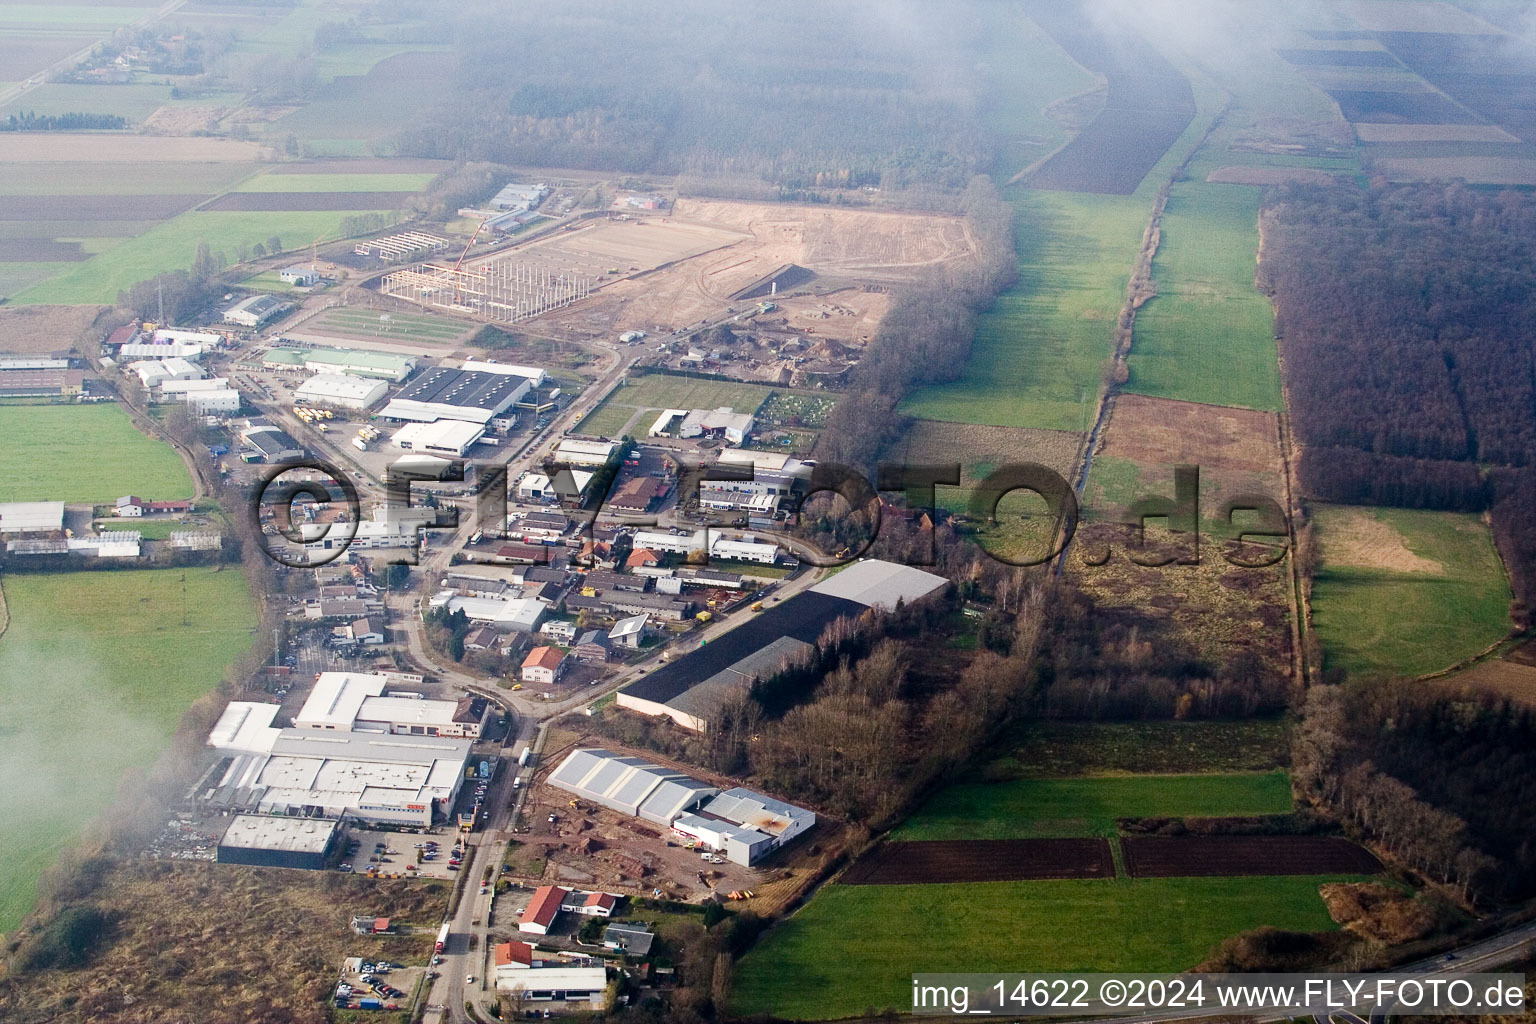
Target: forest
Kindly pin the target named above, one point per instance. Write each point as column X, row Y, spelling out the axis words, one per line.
column 1407, row 318
column 1443, row 782
column 844, row 99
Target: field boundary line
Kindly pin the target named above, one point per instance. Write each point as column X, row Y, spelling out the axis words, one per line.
column 5, row 613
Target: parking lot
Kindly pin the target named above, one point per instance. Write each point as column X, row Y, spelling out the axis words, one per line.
column 391, row 983
column 396, row 853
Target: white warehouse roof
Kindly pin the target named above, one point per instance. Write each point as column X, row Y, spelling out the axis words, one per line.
column 879, row 584
column 337, row 698
column 341, row 387
column 290, row 835
column 245, row 727
column 31, row 516
column 630, row 785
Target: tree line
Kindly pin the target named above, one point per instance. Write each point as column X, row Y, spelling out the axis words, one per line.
column 1442, row 781
column 28, row 121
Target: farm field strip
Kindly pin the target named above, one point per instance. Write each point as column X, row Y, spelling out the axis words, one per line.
column 856, row 946
column 1037, row 358
column 1208, row 335
column 981, row 860
column 1026, row 808
column 1210, row 856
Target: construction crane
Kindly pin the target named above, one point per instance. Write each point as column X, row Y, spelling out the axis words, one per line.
column 468, row 245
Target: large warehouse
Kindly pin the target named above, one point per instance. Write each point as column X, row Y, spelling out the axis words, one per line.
column 340, row 391
column 356, row 702
column 630, row 785
column 743, row 825
column 264, row 841
column 359, row 363
column 447, row 438
column 690, row 689
column 444, row 393
column 399, row 780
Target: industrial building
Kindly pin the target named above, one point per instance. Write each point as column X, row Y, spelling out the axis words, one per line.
column 690, row 690
column 393, row 247
column 340, row 391
column 264, row 841
column 722, row 422
column 356, row 702
column 585, row 453
column 316, row 773
column 299, row 276
column 271, row 445
column 519, row 197
column 381, row 365
column 517, row 615
column 154, row 372
column 254, row 311
column 449, row 438
column 167, row 348
column 442, row 392
column 541, row 911
column 630, row 785
column 49, row 383
column 19, row 518
column 743, row 825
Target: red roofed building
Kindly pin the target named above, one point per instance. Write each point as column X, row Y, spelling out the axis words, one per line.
column 515, row 956
column 642, row 557
column 542, row 910
column 543, row 665
column 590, row 904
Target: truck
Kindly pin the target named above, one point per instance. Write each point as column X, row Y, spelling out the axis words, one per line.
column 359, row 444
column 523, row 758
column 442, row 938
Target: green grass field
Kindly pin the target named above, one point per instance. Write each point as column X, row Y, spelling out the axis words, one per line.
column 90, row 453
column 1089, row 806
column 1038, row 357
column 856, row 946
column 656, row 391
column 172, row 245
column 1208, row 336
column 96, row 670
column 1378, row 620
column 365, row 323
column 134, row 102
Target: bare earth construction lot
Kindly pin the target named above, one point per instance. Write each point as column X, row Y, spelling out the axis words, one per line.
column 688, row 265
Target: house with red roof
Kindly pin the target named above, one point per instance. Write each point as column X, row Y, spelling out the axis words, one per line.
column 542, row 910
column 590, row 904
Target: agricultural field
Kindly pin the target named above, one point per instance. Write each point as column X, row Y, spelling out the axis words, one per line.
column 373, row 325
column 86, row 453
column 112, row 659
column 942, row 862
column 134, row 103
column 856, row 946
column 1039, row 354
column 172, row 245
column 1405, row 592
column 355, row 114
column 1028, row 808
column 1208, row 335
column 980, row 450
column 1236, row 450
column 1036, row 748
column 651, row 393
column 1511, row 674
column 1206, row 856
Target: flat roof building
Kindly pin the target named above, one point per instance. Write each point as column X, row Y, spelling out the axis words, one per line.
column 585, row 453
column 691, row 689
column 442, row 392
column 630, row 785
column 19, row 517
column 254, row 311
column 359, row 363
column 449, row 437
column 341, row 391
column 744, row 825
column 270, row 842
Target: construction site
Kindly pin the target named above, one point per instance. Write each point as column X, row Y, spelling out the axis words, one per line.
column 672, row 270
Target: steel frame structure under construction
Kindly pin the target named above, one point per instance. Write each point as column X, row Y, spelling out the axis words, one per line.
column 506, row 291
